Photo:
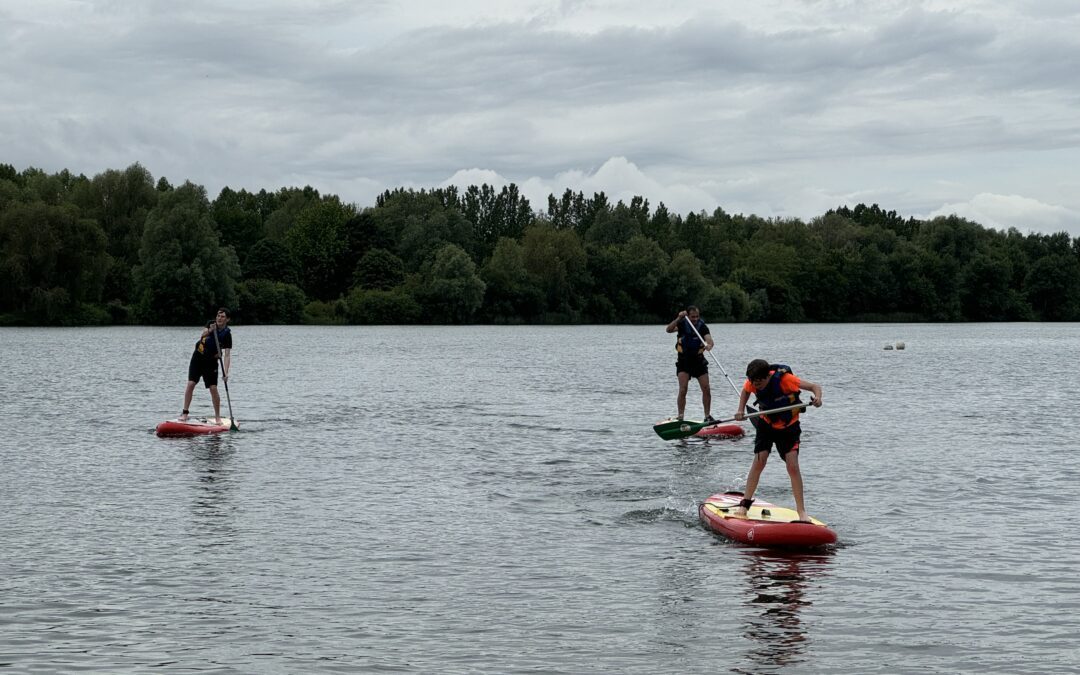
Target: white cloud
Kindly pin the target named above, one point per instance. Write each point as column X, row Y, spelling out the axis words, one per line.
column 618, row 178
column 1004, row 211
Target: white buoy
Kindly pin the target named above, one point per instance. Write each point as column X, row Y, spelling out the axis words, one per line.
column 899, row 345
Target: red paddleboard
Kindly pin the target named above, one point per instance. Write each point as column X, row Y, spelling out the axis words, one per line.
column 192, row 427
column 721, row 431
column 765, row 524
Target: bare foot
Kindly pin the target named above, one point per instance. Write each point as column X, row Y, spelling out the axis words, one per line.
column 183, row 417
column 803, row 516
column 740, row 511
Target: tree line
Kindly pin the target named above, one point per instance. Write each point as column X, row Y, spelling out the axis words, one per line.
column 120, row 248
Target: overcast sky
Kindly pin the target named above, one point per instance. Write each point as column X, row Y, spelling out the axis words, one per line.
column 771, row 107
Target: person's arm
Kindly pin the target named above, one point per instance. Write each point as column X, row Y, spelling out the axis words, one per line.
column 815, row 389
column 674, row 325
column 226, row 360
column 708, row 340
column 744, row 396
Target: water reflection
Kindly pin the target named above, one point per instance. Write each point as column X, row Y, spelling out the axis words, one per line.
column 214, row 478
column 777, row 592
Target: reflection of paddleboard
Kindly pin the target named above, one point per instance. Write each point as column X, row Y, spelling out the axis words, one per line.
column 192, row 427
column 765, row 524
column 721, row 431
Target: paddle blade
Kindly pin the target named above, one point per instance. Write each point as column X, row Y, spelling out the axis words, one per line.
column 671, row 430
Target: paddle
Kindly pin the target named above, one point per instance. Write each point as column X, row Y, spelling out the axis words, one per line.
column 224, row 378
column 717, row 362
column 681, row 429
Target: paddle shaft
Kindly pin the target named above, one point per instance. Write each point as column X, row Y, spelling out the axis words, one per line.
column 224, row 377
column 716, row 361
column 769, row 412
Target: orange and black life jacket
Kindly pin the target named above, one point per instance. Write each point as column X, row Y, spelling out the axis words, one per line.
column 772, row 396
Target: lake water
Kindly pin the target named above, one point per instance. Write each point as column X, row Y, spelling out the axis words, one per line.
column 494, row 500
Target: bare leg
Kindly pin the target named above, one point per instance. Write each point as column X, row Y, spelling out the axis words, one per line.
column 792, row 461
column 684, row 384
column 760, row 458
column 217, row 403
column 188, row 391
column 706, row 393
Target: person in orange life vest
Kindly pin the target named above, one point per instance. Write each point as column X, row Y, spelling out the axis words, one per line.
column 691, row 361
column 215, row 342
column 775, row 387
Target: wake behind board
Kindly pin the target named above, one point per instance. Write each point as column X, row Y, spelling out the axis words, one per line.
column 192, row 427
column 765, row 524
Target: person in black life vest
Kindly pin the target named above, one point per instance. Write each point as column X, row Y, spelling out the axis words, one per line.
column 691, row 361
column 775, row 387
column 204, row 362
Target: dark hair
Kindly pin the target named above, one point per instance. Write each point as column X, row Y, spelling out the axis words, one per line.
column 226, row 311
column 757, row 369
column 692, row 308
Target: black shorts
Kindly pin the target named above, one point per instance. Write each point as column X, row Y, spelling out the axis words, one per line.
column 693, row 364
column 204, row 368
column 786, row 439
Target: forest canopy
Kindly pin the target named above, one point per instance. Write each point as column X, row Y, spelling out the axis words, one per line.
column 120, row 248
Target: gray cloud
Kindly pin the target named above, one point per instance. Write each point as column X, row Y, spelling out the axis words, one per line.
column 758, row 107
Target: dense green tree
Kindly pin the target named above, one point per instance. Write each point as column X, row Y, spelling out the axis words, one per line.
column 451, row 290
column 684, row 284
column 269, row 259
column 512, row 294
column 556, row 261
column 379, row 269
column 773, row 268
column 239, row 220
column 286, row 206
column 317, row 243
column 422, row 236
column 422, row 222
column 494, row 215
column 1052, row 287
column 120, row 202
column 261, row 301
column 119, row 246
column 52, row 263
column 367, row 230
column 617, row 226
column 729, row 303
column 382, row 307
column 985, row 294
column 660, row 228
column 184, row 272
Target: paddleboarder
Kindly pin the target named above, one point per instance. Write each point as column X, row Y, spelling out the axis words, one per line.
column 691, row 360
column 775, row 387
column 215, row 341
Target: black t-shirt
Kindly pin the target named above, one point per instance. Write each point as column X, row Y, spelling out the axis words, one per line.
column 204, row 347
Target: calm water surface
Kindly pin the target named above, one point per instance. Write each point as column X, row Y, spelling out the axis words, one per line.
column 490, row 499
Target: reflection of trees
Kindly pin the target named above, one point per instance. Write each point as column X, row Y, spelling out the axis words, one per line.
column 777, row 590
